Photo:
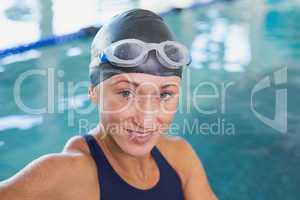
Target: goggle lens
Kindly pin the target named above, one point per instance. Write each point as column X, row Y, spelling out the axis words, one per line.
column 173, row 53
column 127, row 51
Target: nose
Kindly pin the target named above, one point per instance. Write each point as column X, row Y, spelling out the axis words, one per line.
column 146, row 112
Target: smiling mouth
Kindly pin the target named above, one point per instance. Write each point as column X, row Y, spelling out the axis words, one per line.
column 139, row 133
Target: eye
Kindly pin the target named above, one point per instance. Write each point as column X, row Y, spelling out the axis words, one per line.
column 165, row 95
column 125, row 93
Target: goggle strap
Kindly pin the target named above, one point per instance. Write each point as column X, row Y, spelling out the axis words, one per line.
column 103, row 58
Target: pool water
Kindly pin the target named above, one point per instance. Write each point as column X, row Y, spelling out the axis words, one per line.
column 234, row 46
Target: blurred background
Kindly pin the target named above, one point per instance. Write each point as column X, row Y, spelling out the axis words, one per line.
column 237, row 41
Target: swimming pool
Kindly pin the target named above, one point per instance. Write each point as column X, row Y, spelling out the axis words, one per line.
column 234, row 46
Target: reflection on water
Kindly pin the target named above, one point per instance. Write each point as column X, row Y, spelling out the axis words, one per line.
column 74, row 51
column 84, row 13
column 74, row 102
column 19, row 22
column 33, row 17
column 22, row 122
column 221, row 44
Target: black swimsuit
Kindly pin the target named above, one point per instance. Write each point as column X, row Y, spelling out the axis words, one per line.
column 113, row 187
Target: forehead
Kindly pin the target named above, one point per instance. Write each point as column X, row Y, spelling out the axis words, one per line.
column 142, row 78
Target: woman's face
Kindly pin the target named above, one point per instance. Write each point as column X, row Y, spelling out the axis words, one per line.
column 135, row 108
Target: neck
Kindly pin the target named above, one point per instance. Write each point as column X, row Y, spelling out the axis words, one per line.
column 141, row 167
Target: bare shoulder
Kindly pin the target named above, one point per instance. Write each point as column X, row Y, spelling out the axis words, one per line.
column 76, row 144
column 179, row 153
column 174, row 145
column 51, row 176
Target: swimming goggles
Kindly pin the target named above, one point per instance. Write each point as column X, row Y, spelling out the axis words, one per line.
column 133, row 52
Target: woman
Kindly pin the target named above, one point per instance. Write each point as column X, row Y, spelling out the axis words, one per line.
column 135, row 74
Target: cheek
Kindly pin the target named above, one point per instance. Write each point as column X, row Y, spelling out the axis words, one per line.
column 116, row 106
column 165, row 120
column 169, row 107
column 167, row 113
column 114, row 114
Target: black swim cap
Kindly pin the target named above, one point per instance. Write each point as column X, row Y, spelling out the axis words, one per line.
column 137, row 24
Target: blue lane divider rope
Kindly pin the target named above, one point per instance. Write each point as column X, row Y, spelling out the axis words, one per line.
column 51, row 40
column 82, row 33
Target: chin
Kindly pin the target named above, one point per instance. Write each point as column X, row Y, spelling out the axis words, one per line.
column 138, row 151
